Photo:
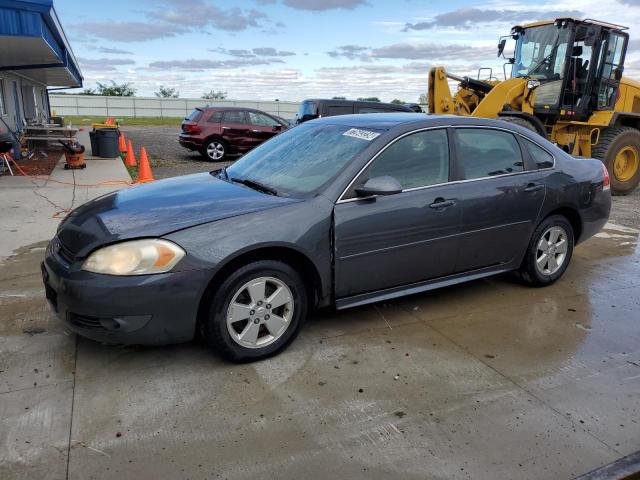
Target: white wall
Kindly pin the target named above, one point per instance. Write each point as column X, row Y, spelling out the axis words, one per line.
column 31, row 100
column 93, row 105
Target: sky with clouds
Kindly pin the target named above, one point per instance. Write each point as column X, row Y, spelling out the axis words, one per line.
column 296, row 49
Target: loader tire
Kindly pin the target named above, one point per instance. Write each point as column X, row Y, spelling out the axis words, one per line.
column 619, row 150
column 522, row 122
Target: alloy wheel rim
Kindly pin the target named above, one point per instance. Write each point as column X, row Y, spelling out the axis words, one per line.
column 551, row 251
column 626, row 163
column 215, row 150
column 260, row 312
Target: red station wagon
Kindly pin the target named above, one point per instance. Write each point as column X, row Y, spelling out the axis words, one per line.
column 218, row 131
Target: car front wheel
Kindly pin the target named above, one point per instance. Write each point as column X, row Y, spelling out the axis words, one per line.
column 549, row 252
column 257, row 311
column 215, row 150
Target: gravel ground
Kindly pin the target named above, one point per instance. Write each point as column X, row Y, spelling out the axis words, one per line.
column 169, row 159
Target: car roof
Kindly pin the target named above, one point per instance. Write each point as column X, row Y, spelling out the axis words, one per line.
column 387, row 121
column 341, row 101
column 231, row 109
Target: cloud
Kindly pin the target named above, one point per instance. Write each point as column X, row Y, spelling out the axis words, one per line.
column 129, row 31
column 103, row 64
column 113, row 51
column 272, row 52
column 170, row 18
column 466, row 18
column 413, row 51
column 256, row 52
column 348, row 51
column 632, row 3
column 198, row 13
column 199, row 65
column 318, row 5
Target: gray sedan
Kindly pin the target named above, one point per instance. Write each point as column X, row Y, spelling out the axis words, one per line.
column 341, row 212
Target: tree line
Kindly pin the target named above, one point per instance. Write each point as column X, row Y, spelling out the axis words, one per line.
column 113, row 89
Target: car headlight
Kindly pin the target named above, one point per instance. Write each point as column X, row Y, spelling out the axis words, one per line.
column 135, row 257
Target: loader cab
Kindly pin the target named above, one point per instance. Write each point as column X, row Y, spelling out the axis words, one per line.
column 578, row 63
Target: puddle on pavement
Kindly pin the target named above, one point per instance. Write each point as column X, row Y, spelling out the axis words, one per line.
column 620, row 241
column 23, row 307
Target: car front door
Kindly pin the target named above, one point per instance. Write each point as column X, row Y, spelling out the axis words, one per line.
column 263, row 127
column 388, row 241
column 236, row 129
column 500, row 198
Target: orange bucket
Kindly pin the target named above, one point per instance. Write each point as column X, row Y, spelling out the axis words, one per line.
column 74, row 161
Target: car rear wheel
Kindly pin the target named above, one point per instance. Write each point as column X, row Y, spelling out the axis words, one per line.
column 215, row 150
column 257, row 311
column 549, row 252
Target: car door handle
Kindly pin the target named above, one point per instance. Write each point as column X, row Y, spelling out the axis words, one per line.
column 533, row 187
column 442, row 203
column 255, row 131
column 225, row 128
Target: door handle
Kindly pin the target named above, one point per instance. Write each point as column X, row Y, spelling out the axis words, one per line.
column 255, row 131
column 225, row 128
column 533, row 187
column 442, row 203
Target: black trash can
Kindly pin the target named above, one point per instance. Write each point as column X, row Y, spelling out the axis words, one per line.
column 93, row 137
column 107, row 142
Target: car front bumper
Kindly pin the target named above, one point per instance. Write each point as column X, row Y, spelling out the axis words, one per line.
column 142, row 309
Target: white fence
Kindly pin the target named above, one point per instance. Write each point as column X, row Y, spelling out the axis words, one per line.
column 98, row 106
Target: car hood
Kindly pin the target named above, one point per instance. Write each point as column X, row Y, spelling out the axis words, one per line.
column 159, row 208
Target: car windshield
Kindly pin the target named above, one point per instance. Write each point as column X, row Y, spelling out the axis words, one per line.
column 540, row 52
column 301, row 160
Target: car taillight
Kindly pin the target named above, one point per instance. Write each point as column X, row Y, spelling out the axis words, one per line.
column 606, row 182
column 191, row 128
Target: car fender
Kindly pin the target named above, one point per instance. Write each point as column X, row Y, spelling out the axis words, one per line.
column 214, row 245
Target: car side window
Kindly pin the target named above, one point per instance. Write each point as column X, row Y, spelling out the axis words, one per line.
column 339, row 110
column 262, row 120
column 539, row 155
column 215, row 118
column 417, row 160
column 488, row 152
column 371, row 110
column 234, row 116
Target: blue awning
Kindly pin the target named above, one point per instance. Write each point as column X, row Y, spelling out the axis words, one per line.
column 34, row 43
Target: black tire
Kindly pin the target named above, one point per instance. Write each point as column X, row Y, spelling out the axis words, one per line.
column 612, row 140
column 529, row 271
column 215, row 327
column 522, row 122
column 207, row 151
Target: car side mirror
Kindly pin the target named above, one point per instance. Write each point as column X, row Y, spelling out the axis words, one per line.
column 383, row 185
column 576, row 51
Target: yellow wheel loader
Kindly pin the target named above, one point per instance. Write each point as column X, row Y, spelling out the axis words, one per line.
column 566, row 83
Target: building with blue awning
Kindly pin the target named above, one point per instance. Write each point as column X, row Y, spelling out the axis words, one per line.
column 35, row 55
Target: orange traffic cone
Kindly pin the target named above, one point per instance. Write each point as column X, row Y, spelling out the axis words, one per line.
column 130, row 161
column 144, row 172
column 122, row 144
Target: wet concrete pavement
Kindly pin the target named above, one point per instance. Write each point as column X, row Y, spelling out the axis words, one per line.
column 490, row 379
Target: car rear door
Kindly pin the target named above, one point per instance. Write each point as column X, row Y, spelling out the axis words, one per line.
column 263, row 127
column 388, row 241
column 501, row 198
column 236, row 129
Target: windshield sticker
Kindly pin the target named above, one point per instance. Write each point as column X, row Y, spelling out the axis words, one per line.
column 363, row 134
